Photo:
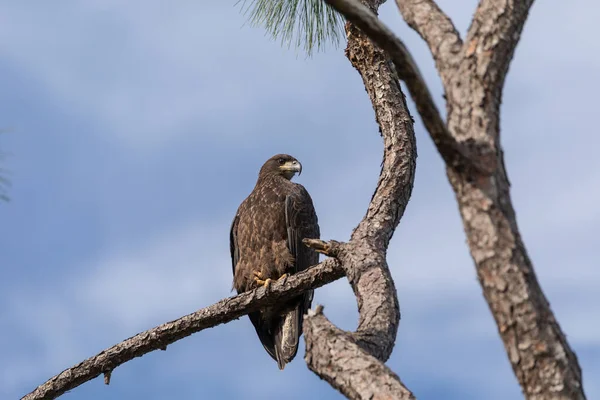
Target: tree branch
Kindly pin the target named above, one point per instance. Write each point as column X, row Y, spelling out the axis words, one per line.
column 358, row 374
column 159, row 337
column 329, row 349
column 492, row 38
column 455, row 154
column 474, row 91
column 438, row 31
column 542, row 360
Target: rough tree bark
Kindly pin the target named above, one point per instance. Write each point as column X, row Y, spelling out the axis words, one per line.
column 334, row 355
column 473, row 77
column 349, row 361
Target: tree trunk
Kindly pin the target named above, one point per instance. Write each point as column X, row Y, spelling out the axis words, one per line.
column 538, row 351
column 473, row 75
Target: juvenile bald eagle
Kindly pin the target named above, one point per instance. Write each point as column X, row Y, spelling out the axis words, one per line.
column 266, row 244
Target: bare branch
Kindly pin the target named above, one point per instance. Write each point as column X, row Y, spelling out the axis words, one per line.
column 474, row 91
column 156, row 338
column 541, row 358
column 455, row 154
column 492, row 38
column 354, row 372
column 364, row 257
column 438, row 31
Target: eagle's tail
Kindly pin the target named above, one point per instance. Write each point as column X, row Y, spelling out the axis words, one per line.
column 287, row 334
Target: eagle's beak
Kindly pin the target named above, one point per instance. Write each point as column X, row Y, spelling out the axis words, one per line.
column 293, row 167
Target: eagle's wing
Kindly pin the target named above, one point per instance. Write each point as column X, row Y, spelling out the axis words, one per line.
column 261, row 328
column 233, row 246
column 301, row 222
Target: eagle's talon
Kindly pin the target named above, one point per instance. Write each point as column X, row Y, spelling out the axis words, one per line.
column 258, row 274
column 282, row 277
column 266, row 283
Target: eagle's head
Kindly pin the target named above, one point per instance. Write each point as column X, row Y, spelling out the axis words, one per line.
column 281, row 165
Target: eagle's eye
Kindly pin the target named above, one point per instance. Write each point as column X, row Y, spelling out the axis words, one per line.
column 281, row 161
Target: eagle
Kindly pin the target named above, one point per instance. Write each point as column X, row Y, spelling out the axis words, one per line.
column 266, row 245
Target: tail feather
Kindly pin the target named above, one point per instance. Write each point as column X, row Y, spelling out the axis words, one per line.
column 262, row 329
column 286, row 336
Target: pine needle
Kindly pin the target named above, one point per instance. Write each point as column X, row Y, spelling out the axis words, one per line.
column 305, row 23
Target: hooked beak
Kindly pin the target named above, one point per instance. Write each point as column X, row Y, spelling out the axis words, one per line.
column 293, row 167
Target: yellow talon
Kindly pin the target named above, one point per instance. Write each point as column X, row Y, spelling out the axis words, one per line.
column 260, row 282
column 258, row 278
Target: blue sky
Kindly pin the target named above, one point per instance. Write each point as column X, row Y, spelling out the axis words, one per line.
column 136, row 129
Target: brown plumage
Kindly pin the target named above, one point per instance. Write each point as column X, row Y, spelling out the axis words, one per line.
column 266, row 243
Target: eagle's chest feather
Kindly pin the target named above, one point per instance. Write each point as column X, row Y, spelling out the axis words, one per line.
column 262, row 236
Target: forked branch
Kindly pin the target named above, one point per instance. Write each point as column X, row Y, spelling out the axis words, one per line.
column 492, row 38
column 454, row 153
column 438, row 31
column 542, row 360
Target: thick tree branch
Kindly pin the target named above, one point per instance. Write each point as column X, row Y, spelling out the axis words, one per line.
column 159, row 337
column 438, row 31
column 455, row 154
column 358, row 374
column 537, row 349
column 541, row 358
column 492, row 38
column 474, row 91
column 364, row 257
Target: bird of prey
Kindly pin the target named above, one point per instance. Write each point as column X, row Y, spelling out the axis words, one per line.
column 266, row 245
